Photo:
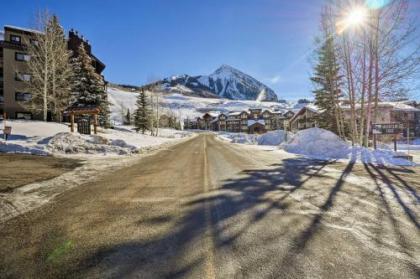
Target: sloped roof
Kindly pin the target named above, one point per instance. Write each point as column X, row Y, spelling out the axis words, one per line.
column 313, row 108
column 27, row 30
column 252, row 122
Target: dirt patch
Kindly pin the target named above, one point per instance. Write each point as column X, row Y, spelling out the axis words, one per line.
column 18, row 170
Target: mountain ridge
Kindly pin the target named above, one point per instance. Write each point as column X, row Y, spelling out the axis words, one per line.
column 225, row 82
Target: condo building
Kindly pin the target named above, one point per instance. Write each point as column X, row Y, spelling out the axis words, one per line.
column 14, row 69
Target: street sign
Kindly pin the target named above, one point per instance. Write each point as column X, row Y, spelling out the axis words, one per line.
column 387, row 129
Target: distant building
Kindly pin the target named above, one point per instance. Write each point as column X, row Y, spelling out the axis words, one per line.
column 253, row 121
column 14, row 70
column 305, row 118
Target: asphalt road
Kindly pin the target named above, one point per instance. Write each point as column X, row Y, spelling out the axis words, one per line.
column 209, row 209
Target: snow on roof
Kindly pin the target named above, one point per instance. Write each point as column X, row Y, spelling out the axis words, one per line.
column 396, row 106
column 235, row 113
column 23, row 29
column 312, row 108
column 400, row 106
column 252, row 122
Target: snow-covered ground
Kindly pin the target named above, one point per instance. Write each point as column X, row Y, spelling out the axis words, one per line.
column 45, row 138
column 324, row 145
column 185, row 106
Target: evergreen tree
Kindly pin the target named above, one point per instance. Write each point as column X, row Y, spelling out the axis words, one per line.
column 88, row 87
column 327, row 91
column 127, row 120
column 142, row 116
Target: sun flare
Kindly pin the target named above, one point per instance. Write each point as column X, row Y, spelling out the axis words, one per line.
column 355, row 17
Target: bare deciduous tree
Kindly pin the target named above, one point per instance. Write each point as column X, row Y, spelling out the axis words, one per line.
column 379, row 58
column 49, row 68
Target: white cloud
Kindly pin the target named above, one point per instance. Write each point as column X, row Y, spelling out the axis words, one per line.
column 274, row 80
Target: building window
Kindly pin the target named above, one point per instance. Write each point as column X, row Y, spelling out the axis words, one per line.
column 15, row 39
column 23, row 96
column 22, row 77
column 19, row 56
column 34, row 42
column 23, row 115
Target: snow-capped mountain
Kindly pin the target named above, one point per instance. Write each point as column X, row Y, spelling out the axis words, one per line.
column 226, row 82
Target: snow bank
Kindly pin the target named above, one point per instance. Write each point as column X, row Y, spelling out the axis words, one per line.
column 239, row 138
column 69, row 143
column 273, row 138
column 322, row 144
column 45, row 138
column 270, row 138
column 318, row 143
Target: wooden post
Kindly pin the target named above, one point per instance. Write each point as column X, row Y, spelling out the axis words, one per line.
column 395, row 142
column 4, row 128
column 374, row 141
column 95, row 123
column 72, row 122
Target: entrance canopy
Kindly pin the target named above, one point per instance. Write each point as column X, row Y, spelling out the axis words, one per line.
column 83, row 110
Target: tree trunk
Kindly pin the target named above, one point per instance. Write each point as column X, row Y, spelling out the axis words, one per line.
column 45, row 89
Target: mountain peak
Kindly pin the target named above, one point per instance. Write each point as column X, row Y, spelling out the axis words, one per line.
column 226, row 82
column 226, row 68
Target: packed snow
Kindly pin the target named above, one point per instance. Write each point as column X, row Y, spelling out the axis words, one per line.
column 318, row 143
column 322, row 144
column 46, row 138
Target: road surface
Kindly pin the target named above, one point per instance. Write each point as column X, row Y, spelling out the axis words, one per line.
column 209, row 209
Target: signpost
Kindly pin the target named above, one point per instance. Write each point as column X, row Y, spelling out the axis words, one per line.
column 387, row 129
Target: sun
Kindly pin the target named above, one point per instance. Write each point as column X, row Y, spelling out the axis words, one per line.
column 355, row 17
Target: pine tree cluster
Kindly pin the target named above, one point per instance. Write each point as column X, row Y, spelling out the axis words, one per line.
column 143, row 114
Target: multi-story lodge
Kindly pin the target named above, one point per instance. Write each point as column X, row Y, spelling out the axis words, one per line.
column 14, row 70
column 255, row 120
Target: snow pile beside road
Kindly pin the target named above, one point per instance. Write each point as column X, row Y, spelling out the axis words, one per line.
column 48, row 138
column 69, row 143
column 318, row 143
column 325, row 145
column 272, row 138
column 239, row 138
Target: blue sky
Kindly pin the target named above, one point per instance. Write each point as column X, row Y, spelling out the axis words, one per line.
column 148, row 39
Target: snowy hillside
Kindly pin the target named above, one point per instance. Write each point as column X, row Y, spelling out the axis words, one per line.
column 185, row 106
column 226, row 82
